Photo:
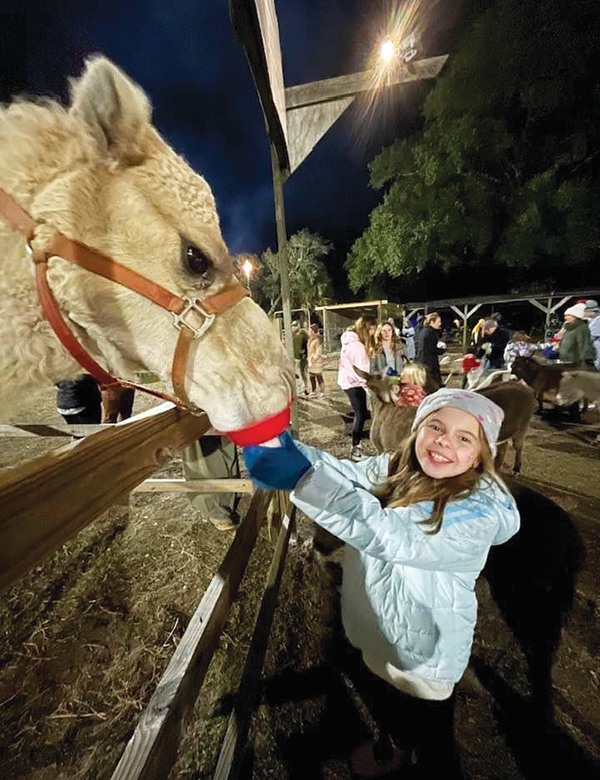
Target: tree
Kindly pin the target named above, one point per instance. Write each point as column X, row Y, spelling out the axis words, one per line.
column 507, row 169
column 309, row 280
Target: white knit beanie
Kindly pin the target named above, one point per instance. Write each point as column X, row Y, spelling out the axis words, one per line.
column 488, row 414
column 578, row 310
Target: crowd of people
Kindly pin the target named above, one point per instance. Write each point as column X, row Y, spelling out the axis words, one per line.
column 410, row 352
column 577, row 342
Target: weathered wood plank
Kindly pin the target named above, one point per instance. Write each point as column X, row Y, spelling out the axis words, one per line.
column 45, row 502
column 195, row 486
column 234, row 744
column 353, row 83
column 151, row 751
column 27, row 430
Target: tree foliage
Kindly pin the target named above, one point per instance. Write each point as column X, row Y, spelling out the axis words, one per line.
column 310, row 282
column 507, row 168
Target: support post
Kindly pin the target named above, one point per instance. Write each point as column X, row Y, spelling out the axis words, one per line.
column 464, row 315
column 283, row 268
column 325, row 332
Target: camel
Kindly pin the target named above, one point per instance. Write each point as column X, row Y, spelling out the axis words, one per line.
column 99, row 173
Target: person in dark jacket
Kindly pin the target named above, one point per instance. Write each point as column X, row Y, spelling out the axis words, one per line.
column 492, row 346
column 576, row 345
column 419, row 325
column 429, row 348
column 79, row 401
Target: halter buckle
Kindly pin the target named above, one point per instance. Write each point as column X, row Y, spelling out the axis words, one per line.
column 193, row 304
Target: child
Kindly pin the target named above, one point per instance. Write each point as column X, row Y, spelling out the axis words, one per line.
column 316, row 362
column 469, row 363
column 520, row 345
column 411, row 390
column 418, row 525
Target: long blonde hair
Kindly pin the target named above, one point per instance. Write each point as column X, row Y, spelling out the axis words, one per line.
column 361, row 327
column 407, row 483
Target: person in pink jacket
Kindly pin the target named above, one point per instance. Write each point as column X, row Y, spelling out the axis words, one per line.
column 356, row 351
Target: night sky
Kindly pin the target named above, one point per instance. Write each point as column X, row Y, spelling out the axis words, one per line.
column 185, row 55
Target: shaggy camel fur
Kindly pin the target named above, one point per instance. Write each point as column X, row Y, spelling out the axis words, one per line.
column 100, row 173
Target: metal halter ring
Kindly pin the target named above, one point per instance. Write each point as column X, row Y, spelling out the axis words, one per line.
column 193, row 305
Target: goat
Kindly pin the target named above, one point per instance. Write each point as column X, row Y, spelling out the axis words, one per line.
column 391, row 424
column 518, row 404
column 579, row 386
column 541, row 377
column 477, row 379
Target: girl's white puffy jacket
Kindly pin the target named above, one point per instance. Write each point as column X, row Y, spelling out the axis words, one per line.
column 408, row 597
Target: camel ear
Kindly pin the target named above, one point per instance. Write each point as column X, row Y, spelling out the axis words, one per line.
column 115, row 110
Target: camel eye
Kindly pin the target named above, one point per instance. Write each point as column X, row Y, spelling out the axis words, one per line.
column 196, row 261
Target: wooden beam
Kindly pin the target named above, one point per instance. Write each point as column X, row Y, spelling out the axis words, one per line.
column 195, row 486
column 353, row 83
column 264, row 57
column 540, row 306
column 26, row 431
column 357, row 305
column 495, row 299
column 284, row 277
column 152, row 749
column 559, row 304
column 234, row 745
column 50, row 499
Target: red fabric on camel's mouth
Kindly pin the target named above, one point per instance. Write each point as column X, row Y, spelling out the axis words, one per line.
column 262, row 431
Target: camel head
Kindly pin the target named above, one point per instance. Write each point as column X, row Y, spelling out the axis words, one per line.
column 99, row 173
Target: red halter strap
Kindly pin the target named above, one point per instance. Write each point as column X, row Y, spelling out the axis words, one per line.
column 102, row 265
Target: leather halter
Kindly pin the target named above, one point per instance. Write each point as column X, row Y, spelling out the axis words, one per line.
column 102, row 265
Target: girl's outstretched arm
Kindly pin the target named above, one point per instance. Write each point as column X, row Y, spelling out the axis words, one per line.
column 366, row 473
column 280, row 463
column 354, row 515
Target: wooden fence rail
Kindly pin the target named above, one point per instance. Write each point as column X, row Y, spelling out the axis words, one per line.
column 151, row 751
column 47, row 501
column 248, row 696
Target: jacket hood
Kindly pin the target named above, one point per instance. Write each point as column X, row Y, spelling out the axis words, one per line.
column 348, row 337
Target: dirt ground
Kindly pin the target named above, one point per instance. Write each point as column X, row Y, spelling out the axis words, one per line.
column 85, row 637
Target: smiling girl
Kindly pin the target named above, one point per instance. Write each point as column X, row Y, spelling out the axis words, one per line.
column 418, row 526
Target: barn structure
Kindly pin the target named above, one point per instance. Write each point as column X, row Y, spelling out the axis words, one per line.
column 336, row 318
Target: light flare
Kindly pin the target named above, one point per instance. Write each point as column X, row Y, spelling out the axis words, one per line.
column 388, row 51
column 247, row 268
column 397, row 47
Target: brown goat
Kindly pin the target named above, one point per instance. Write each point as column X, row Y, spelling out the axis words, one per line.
column 391, row 424
column 541, row 377
column 518, row 403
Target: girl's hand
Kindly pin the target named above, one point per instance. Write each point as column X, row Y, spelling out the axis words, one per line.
column 276, row 465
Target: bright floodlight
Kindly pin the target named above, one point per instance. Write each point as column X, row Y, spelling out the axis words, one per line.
column 388, row 50
column 247, row 268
